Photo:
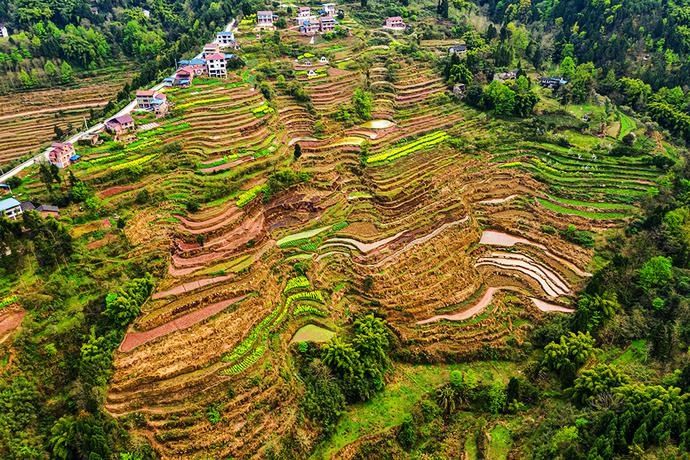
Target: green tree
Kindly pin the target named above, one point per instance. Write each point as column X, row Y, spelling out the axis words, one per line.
column 362, row 104
column 599, row 380
column 655, row 274
column 66, row 72
column 567, row 68
column 569, row 354
column 500, row 98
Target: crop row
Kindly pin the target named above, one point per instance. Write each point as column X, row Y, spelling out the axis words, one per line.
column 298, row 282
column 245, row 197
column 423, row 142
column 306, row 309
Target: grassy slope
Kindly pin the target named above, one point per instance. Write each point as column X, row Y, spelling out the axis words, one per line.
column 410, row 383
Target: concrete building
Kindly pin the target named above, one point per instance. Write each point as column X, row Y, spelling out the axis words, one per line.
column 264, row 19
column 326, row 24
column 457, row 49
column 10, row 208
column 3, row 31
column 329, row 9
column 120, row 126
column 226, row 39
column 61, row 154
column 395, row 23
column 217, row 65
column 152, row 101
column 210, row 48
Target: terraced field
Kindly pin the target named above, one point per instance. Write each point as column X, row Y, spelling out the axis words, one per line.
column 432, row 215
column 27, row 119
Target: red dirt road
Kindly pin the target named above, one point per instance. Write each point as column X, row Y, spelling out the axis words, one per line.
column 134, row 339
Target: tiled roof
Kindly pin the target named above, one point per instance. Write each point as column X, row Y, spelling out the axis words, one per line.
column 215, row 57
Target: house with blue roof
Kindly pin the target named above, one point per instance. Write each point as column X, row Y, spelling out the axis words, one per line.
column 11, row 208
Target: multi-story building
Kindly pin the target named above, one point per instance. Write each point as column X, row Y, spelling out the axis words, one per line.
column 395, row 23
column 264, row 19
column 152, row 101
column 10, row 208
column 217, row 65
column 60, row 154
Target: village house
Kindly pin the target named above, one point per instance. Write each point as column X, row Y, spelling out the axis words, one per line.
column 329, row 9
column 226, row 40
column 3, row 31
column 91, row 139
column 323, row 60
column 210, row 48
column 147, row 13
column 217, row 66
column 152, row 101
column 309, row 28
column 183, row 77
column 10, row 208
column 61, row 154
column 311, row 73
column 326, row 24
column 48, row 210
column 459, row 90
column 457, row 49
column 304, row 15
column 119, row 126
column 395, row 23
column 552, row 82
column 264, row 19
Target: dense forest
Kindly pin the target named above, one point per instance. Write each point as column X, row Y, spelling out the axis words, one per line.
column 50, row 39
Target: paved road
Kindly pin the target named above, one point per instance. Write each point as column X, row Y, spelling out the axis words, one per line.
column 232, row 25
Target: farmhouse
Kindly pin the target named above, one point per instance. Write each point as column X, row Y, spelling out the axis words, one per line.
column 311, row 73
column 329, row 9
column 326, row 24
column 11, row 208
column 264, row 19
column 3, row 31
column 48, row 210
column 61, row 154
column 552, row 82
column 153, row 101
column 226, row 40
column 395, row 23
column 323, row 60
column 217, row 66
column 120, row 125
column 457, row 49
column 309, row 28
column 184, row 76
column 304, row 15
column 210, row 48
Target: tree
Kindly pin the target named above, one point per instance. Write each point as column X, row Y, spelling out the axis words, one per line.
column 594, row 310
column 500, row 98
column 442, row 8
column 445, row 397
column 66, row 72
column 298, row 152
column 567, row 355
column 567, row 68
column 655, row 274
column 407, row 434
column 323, row 400
column 599, row 380
column 362, row 104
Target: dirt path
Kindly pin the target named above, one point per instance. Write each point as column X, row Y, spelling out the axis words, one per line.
column 499, row 200
column 134, row 339
column 473, row 310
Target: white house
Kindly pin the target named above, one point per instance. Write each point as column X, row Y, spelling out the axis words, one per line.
column 329, row 9
column 61, row 154
column 225, row 39
column 3, row 31
column 11, row 208
column 264, row 19
column 304, row 15
column 395, row 23
column 217, row 66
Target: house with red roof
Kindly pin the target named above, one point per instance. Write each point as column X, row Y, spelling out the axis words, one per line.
column 217, row 65
column 61, row 154
column 120, row 126
column 152, row 101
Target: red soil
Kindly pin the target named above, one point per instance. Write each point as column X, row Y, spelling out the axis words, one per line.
column 134, row 339
column 116, row 189
column 191, row 286
column 9, row 321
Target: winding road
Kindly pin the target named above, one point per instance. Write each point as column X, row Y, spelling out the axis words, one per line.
column 232, row 26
